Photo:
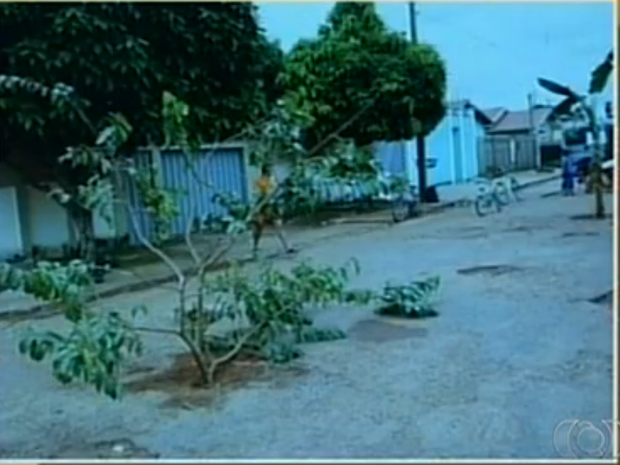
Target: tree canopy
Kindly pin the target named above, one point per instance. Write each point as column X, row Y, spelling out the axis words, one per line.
column 356, row 66
column 121, row 57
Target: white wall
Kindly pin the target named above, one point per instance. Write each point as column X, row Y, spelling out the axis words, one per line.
column 48, row 221
column 10, row 230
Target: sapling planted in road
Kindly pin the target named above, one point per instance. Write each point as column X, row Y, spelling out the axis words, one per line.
column 411, row 300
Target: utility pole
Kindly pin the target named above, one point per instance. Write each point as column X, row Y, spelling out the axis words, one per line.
column 412, row 23
column 420, row 142
column 534, row 130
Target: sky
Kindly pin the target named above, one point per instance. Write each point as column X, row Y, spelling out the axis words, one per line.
column 494, row 51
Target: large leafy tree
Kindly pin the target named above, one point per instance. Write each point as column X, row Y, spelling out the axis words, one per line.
column 120, row 58
column 357, row 68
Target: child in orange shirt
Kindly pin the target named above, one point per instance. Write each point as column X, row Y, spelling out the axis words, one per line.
column 267, row 213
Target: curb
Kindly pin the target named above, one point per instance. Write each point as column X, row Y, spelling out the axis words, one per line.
column 525, row 185
column 48, row 310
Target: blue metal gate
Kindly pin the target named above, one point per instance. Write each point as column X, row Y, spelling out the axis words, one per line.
column 195, row 179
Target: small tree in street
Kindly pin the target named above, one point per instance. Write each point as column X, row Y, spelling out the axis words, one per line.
column 266, row 316
column 587, row 104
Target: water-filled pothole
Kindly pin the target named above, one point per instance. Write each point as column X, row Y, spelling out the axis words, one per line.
column 580, row 234
column 489, row 270
column 606, row 298
column 378, row 331
column 589, row 216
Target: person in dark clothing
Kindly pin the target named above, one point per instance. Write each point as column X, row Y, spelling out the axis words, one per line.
column 568, row 175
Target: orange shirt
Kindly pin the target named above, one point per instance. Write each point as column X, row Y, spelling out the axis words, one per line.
column 264, row 185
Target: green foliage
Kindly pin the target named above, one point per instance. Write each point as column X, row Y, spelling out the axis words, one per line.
column 92, row 352
column 298, row 194
column 235, row 219
column 161, row 204
column 273, row 308
column 411, row 301
column 122, row 57
column 52, row 282
column 357, row 67
column 601, row 74
column 96, row 345
column 279, row 136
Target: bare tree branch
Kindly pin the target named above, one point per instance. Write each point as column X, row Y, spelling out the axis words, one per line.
column 154, row 249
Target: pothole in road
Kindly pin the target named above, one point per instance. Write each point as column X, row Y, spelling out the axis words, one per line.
column 527, row 229
column 111, row 450
column 606, row 299
column 377, row 331
column 489, row 270
column 580, row 234
column 589, row 216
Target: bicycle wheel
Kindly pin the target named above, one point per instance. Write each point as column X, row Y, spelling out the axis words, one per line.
column 501, row 193
column 515, row 187
column 482, row 205
column 400, row 210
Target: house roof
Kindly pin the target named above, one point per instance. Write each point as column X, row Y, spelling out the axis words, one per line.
column 515, row 121
column 480, row 115
column 493, row 115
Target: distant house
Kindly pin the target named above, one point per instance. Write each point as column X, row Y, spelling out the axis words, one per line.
column 523, row 122
column 508, row 141
column 492, row 116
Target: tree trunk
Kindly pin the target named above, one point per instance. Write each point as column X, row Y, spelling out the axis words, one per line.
column 597, row 181
column 596, row 174
column 421, row 163
column 83, row 220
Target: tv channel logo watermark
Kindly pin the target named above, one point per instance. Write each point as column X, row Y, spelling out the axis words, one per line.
column 583, row 439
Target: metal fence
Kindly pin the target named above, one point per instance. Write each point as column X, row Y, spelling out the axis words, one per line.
column 509, row 153
column 222, row 171
column 226, row 172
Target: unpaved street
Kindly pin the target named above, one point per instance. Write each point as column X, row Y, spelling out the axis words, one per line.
column 517, row 349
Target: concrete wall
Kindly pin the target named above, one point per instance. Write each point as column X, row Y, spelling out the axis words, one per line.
column 49, row 222
column 439, row 147
column 13, row 222
column 40, row 221
column 11, row 241
column 454, row 137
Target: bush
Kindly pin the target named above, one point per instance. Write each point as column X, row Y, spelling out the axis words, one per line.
column 411, row 300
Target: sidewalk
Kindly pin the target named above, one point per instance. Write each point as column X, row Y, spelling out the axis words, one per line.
column 453, row 195
column 148, row 272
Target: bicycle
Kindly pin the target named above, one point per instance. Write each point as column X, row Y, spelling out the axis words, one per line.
column 405, row 205
column 487, row 199
column 507, row 189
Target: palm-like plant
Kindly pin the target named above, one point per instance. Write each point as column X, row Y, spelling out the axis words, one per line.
column 598, row 82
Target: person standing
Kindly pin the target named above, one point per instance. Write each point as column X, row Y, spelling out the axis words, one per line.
column 267, row 212
column 568, row 174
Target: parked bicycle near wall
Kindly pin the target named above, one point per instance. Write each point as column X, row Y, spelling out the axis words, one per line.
column 487, row 198
column 508, row 188
column 404, row 200
column 405, row 205
column 495, row 193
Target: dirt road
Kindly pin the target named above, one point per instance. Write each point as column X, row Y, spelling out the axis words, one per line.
column 517, row 348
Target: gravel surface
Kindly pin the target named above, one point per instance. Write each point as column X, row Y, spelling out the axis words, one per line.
column 517, row 348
